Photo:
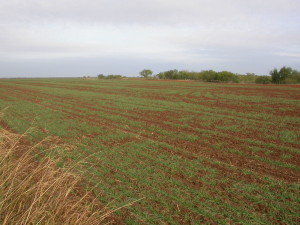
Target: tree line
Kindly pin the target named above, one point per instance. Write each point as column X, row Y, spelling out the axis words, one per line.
column 110, row 76
column 285, row 75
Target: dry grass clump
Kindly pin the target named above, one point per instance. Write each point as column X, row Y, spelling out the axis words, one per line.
column 38, row 192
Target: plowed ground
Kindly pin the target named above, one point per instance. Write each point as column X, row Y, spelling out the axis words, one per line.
column 192, row 152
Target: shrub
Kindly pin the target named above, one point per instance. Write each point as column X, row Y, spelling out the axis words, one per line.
column 248, row 78
column 114, row 76
column 224, row 76
column 206, row 75
column 294, row 78
column 263, row 80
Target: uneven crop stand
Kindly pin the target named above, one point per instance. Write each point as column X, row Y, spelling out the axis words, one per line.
column 192, row 152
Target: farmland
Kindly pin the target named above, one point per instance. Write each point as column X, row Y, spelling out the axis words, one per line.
column 190, row 152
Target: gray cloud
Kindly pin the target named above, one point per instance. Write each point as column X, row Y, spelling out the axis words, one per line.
column 141, row 11
column 241, row 36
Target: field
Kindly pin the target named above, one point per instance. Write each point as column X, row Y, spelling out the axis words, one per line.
column 190, row 152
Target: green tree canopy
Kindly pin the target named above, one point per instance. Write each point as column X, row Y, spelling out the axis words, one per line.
column 101, row 76
column 279, row 77
column 263, row 80
column 146, row 73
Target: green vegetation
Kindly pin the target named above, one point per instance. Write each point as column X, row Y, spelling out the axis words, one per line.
column 33, row 190
column 207, row 75
column 111, row 76
column 263, row 80
column 248, row 78
column 285, row 75
column 194, row 152
column 146, row 73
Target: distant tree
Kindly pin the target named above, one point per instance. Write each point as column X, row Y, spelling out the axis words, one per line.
column 223, row 76
column 285, row 73
column 171, row 74
column 101, row 76
column 226, row 76
column 275, row 76
column 296, row 76
column 112, row 76
column 146, row 73
column 248, row 78
column 279, row 77
column 263, row 80
column 161, row 75
column 186, row 75
column 205, row 75
column 209, row 75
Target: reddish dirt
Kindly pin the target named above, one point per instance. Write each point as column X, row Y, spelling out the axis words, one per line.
column 23, row 143
column 191, row 150
column 158, row 119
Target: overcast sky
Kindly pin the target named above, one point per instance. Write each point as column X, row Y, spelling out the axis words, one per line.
column 88, row 37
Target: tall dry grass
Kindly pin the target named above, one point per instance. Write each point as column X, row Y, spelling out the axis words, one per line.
column 38, row 192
